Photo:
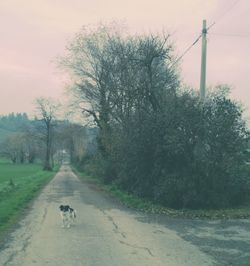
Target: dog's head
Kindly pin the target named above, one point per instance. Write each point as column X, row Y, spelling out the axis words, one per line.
column 64, row 208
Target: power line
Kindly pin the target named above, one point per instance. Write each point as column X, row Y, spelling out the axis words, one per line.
column 229, row 34
column 179, row 58
column 227, row 11
column 198, row 38
column 209, row 27
column 223, row 14
column 232, row 35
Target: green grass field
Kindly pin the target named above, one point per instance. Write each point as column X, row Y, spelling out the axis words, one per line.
column 19, row 183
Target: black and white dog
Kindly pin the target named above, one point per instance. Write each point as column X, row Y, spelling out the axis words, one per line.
column 68, row 215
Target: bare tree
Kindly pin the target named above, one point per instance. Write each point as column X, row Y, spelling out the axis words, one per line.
column 47, row 109
column 116, row 75
column 32, row 142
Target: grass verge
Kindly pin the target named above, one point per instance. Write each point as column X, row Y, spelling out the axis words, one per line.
column 147, row 206
column 19, row 184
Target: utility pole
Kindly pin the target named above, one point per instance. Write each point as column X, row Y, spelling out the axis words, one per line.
column 203, row 61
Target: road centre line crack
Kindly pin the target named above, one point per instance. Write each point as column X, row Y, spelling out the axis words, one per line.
column 124, row 236
column 110, row 218
column 135, row 246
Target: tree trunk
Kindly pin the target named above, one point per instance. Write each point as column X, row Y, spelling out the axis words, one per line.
column 47, row 165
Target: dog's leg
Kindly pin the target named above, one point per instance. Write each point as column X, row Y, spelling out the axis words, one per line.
column 74, row 216
column 68, row 221
column 63, row 219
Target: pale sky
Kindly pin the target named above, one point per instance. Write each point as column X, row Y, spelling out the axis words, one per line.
column 34, row 32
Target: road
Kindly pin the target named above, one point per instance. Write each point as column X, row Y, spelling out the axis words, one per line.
column 107, row 233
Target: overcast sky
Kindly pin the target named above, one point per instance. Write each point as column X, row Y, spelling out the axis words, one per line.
column 34, row 32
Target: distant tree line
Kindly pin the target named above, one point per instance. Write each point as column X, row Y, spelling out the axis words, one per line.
column 13, row 122
column 28, row 140
column 16, row 138
column 155, row 138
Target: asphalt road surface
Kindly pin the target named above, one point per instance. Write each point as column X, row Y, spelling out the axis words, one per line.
column 107, row 234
